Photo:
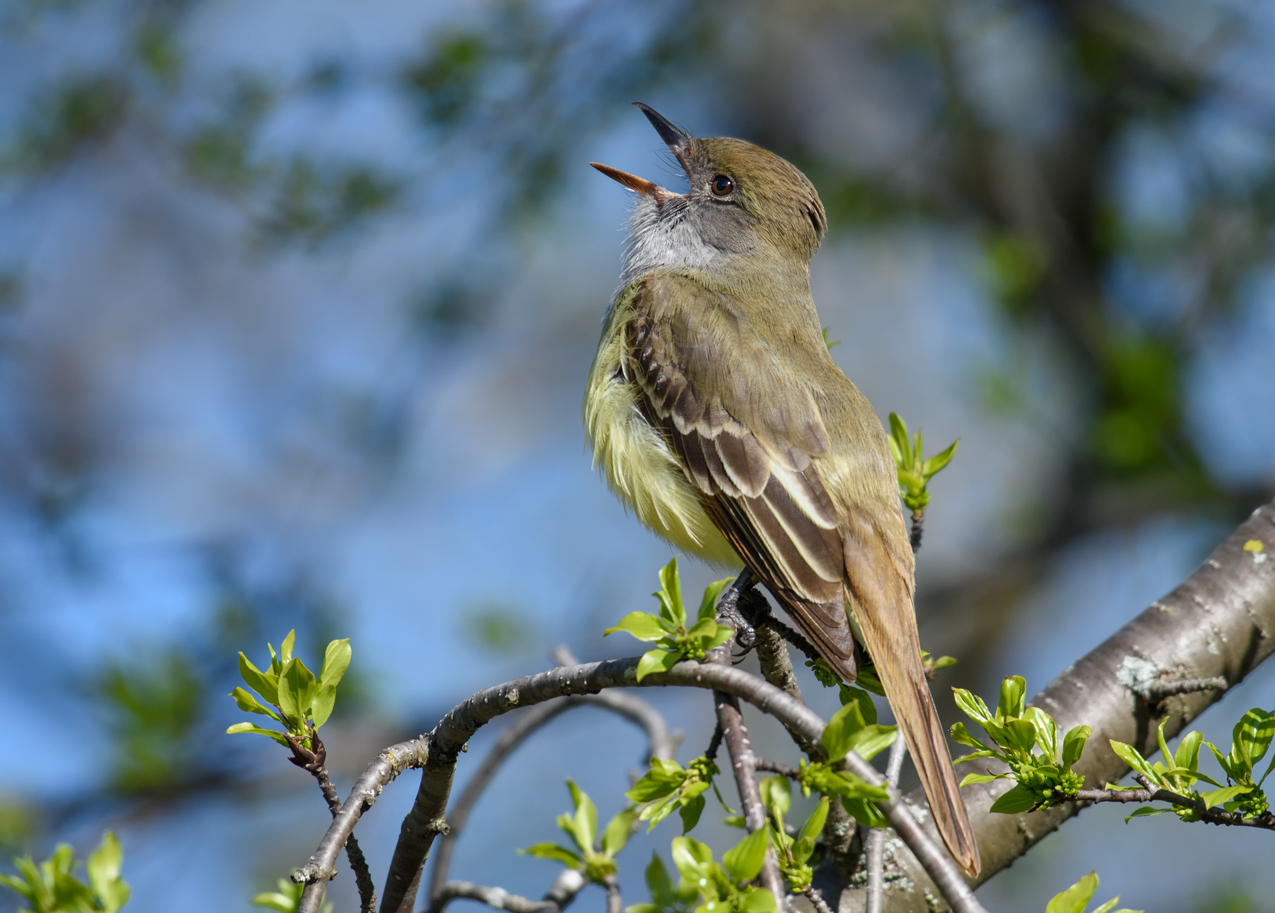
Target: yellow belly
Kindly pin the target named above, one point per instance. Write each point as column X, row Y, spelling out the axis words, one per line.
column 641, row 469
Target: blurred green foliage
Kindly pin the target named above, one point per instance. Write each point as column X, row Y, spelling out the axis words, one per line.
column 154, row 703
column 53, row 887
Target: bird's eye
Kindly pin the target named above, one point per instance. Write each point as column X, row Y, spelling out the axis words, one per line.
column 722, row 185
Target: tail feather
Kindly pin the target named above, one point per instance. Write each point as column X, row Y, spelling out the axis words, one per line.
column 884, row 620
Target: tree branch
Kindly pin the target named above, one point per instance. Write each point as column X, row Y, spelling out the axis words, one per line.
column 388, row 764
column 564, row 890
column 1151, row 793
column 437, row 753
column 631, row 707
column 1217, row 622
column 876, row 835
column 731, row 722
column 311, row 760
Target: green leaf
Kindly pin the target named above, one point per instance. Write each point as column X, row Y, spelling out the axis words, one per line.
column 658, row 781
column 658, row 883
column 1013, row 694
column 1018, row 799
column 871, row 740
column 758, row 900
column 1109, row 905
column 585, row 822
column 963, row 736
column 1046, row 730
column 937, row 463
column 248, row 703
column 865, row 812
column 900, row 443
column 1074, row 745
column 554, row 852
column 776, row 795
column 265, row 685
column 1146, row 812
column 103, row 871
column 670, row 595
column 724, row 633
column 617, row 831
column 708, row 604
column 838, row 735
column 1188, row 753
column 1076, row 897
column 336, row 659
column 1253, row 732
column 285, row 648
column 1130, row 756
column 743, row 861
column 1019, row 734
column 866, row 705
column 692, row 859
column 656, row 661
column 248, row 727
column 980, row 778
column 296, row 688
column 642, row 625
column 690, row 813
column 275, row 900
column 321, row 705
column 974, row 756
column 814, row 824
column 1225, row 794
column 971, row 705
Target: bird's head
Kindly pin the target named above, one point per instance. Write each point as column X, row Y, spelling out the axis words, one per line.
column 742, row 200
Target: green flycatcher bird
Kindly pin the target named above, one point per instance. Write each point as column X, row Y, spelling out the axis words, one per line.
column 718, row 416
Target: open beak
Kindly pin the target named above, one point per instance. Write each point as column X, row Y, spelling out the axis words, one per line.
column 677, row 142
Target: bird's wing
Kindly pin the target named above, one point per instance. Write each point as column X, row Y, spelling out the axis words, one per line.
column 746, row 440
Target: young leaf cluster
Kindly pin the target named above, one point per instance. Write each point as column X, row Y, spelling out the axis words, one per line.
column 915, row 471
column 597, row 862
column 1241, row 794
column 1077, row 897
column 866, row 680
column 668, row 786
column 294, row 697
column 719, row 887
column 792, row 853
column 849, row 731
column 52, row 886
column 675, row 639
column 287, row 899
column 1028, row 740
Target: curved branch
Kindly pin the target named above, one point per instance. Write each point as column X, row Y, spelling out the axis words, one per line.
column 564, row 890
column 367, row 788
column 1217, row 622
column 659, row 742
column 438, row 752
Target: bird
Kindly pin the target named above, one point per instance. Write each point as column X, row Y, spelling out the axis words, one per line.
column 716, row 413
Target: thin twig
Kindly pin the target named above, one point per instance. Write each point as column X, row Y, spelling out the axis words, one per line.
column 563, row 891
column 631, row 707
column 918, row 519
column 467, row 717
column 735, row 735
column 714, row 742
column 876, row 835
column 312, row 760
column 815, row 896
column 388, row 764
column 614, row 903
column 1152, row 793
column 774, row 767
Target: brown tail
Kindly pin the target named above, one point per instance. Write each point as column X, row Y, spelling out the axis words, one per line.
column 887, row 626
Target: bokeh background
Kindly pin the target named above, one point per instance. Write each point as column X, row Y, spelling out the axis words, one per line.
column 296, row 304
